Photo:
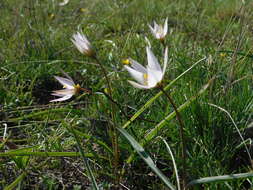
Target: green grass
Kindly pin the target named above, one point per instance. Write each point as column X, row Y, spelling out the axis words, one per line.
column 41, row 152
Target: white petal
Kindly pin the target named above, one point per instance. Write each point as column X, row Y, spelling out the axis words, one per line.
column 165, row 27
column 64, row 92
column 65, row 82
column 61, row 99
column 137, row 85
column 138, row 76
column 152, row 30
column 137, row 66
column 65, row 2
column 165, row 62
column 152, row 78
column 152, row 61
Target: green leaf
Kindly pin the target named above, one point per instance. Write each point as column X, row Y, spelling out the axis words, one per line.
column 215, row 179
column 140, row 150
column 16, row 181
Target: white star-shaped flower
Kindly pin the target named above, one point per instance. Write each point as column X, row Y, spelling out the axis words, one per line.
column 159, row 31
column 150, row 76
column 82, row 44
column 69, row 90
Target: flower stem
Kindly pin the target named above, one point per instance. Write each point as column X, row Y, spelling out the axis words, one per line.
column 184, row 181
column 113, row 130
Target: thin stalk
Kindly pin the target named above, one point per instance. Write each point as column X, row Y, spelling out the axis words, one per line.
column 86, row 163
column 181, row 131
column 113, row 128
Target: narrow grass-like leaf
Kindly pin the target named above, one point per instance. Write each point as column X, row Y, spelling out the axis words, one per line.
column 16, row 181
column 174, row 163
column 85, row 160
column 107, row 148
column 140, row 150
column 43, row 154
column 149, row 102
column 153, row 133
column 215, row 179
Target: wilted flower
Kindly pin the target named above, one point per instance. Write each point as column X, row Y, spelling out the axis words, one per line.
column 159, row 31
column 150, row 76
column 82, row 44
column 69, row 90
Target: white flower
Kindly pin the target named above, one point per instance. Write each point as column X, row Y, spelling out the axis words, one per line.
column 64, row 2
column 150, row 76
column 82, row 44
column 159, row 31
column 69, row 90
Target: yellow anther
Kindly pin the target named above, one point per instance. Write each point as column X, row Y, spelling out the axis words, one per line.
column 51, row 16
column 126, row 62
column 223, row 54
column 64, row 86
column 106, row 90
column 145, row 77
column 77, row 88
column 82, row 10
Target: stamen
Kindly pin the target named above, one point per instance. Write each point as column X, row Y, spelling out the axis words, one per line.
column 145, row 77
column 125, row 62
column 77, row 88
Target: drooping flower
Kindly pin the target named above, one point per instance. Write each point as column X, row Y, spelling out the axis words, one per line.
column 70, row 89
column 159, row 31
column 82, row 44
column 150, row 76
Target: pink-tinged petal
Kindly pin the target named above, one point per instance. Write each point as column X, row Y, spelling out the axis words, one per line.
column 61, row 99
column 137, row 66
column 165, row 62
column 138, row 76
column 69, row 84
column 152, row 61
column 137, row 85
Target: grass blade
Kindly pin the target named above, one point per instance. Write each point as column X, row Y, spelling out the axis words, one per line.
column 16, row 181
column 152, row 134
column 174, row 163
column 140, row 150
column 215, row 179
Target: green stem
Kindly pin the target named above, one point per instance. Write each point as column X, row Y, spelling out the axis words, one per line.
column 113, row 129
column 181, row 124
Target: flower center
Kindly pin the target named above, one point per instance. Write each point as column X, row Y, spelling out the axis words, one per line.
column 145, row 77
column 77, row 88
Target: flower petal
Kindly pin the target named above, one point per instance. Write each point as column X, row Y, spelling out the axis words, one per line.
column 165, row 62
column 65, row 82
column 64, row 92
column 137, row 66
column 152, row 30
column 138, row 76
column 165, row 27
column 61, row 99
column 152, row 61
column 153, row 77
column 137, row 85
